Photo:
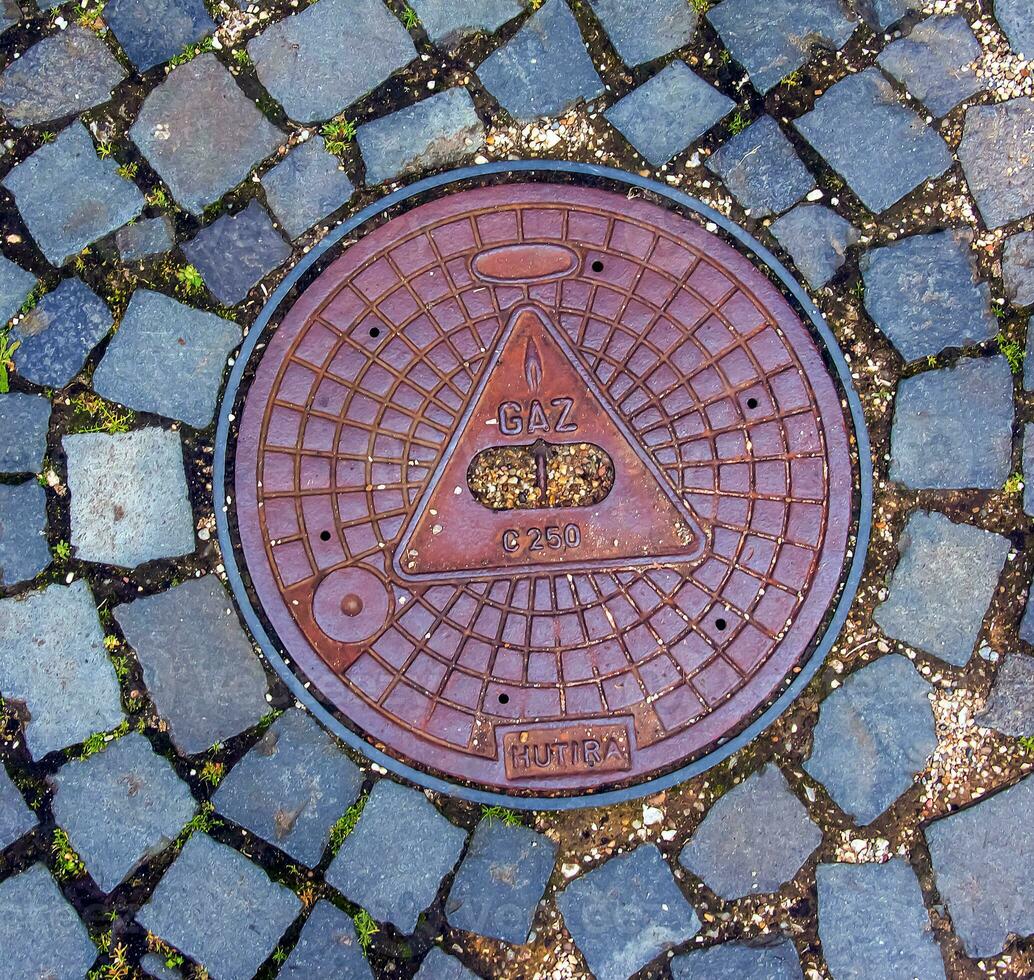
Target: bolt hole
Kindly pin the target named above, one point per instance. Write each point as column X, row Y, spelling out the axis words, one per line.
column 375, row 331
column 324, row 535
column 720, row 623
column 504, row 698
column 752, row 403
column 597, row 266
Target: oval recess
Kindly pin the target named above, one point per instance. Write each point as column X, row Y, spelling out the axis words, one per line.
column 525, row 262
column 568, row 474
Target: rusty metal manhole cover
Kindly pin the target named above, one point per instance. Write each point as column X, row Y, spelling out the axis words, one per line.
column 539, row 489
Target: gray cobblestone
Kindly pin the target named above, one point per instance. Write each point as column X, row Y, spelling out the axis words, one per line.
column 994, row 137
column 56, row 337
column 983, row 864
column 52, row 661
column 291, row 787
column 874, row 913
column 1016, row 18
column 126, row 786
column 201, row 133
column 327, row 947
column 762, row 169
column 933, row 61
column 738, row 961
column 440, row 966
column 500, row 882
column 942, row 586
column 1018, row 268
column 1010, row 705
column 306, row 186
column 1028, row 467
column 730, row 851
column 953, row 427
column 873, row 735
column 817, row 240
column 644, row 30
column 40, row 933
column 24, row 420
column 668, row 113
column 319, row 61
column 15, row 286
column 882, row 14
column 925, row 294
column 153, row 31
column 220, row 909
column 151, row 236
column 860, row 119
column 167, row 358
column 772, row 39
column 544, row 68
column 129, row 500
column 16, row 819
column 10, row 14
column 198, row 665
column 440, row 131
column 68, row 197
column 424, row 847
column 626, row 912
column 236, row 251
column 63, row 74
column 449, row 21
column 23, row 532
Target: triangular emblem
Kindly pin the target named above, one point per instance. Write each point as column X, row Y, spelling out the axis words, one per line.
column 534, row 390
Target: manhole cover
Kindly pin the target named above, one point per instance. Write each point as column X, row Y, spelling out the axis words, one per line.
column 539, row 489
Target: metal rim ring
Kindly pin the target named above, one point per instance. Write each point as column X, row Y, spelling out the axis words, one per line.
column 760, row 257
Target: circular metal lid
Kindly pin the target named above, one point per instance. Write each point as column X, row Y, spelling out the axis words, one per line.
column 542, row 490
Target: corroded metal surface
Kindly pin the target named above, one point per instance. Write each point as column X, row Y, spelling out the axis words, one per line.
column 545, row 650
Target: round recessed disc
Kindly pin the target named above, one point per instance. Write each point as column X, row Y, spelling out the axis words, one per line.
column 351, row 604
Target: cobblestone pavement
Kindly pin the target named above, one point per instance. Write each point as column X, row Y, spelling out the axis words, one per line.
column 165, row 807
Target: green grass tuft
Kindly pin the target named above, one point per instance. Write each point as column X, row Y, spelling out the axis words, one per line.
column 68, row 866
column 96, row 415
column 739, row 122
column 1012, row 351
column 158, row 198
column 346, row 823
column 191, row 51
column 500, row 813
column 337, row 134
column 1014, row 484
column 365, row 928
column 190, row 281
column 202, row 822
column 7, row 349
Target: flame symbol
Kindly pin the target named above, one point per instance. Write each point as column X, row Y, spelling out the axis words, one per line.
column 532, row 366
